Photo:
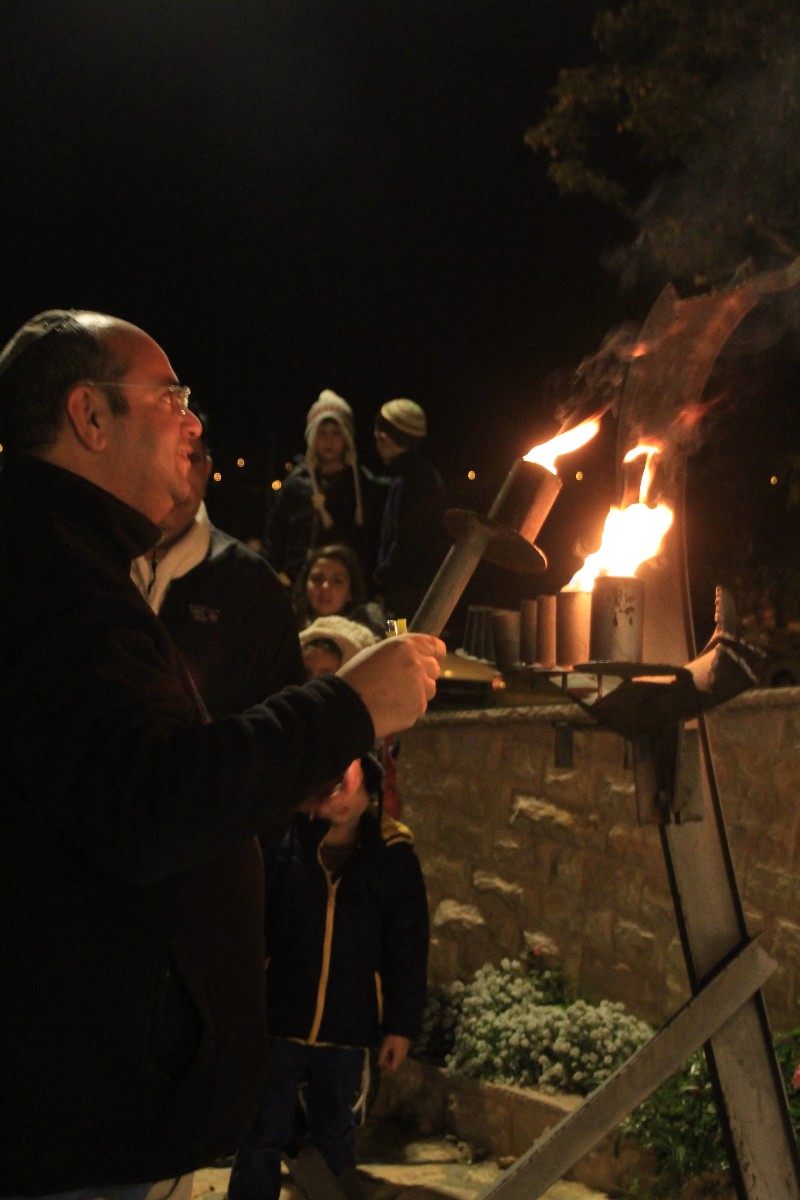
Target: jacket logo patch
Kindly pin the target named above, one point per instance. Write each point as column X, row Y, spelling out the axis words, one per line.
column 204, row 614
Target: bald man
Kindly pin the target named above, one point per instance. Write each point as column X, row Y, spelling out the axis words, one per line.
column 133, row 1040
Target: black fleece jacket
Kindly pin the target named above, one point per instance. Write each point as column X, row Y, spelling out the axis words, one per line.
column 131, row 943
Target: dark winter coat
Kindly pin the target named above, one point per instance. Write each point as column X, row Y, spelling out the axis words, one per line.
column 413, row 538
column 233, row 623
column 133, row 1040
column 347, row 958
column 295, row 527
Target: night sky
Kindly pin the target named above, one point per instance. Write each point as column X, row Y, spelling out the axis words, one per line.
column 291, row 196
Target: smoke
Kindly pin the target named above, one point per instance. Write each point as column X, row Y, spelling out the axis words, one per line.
column 735, row 205
column 595, row 386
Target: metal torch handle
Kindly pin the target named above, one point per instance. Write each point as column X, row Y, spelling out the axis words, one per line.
column 450, row 580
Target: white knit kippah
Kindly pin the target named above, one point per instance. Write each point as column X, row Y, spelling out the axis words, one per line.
column 407, row 416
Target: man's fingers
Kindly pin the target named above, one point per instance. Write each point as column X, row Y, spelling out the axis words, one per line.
column 396, row 679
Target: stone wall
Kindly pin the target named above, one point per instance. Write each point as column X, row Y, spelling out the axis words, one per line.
column 519, row 852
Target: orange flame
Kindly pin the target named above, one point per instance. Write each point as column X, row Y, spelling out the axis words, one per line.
column 631, row 535
column 563, row 443
column 647, row 471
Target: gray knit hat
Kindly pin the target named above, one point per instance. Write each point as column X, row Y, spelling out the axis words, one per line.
column 407, row 416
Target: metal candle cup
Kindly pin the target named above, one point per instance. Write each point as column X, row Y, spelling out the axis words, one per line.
column 527, row 631
column 505, row 538
column 546, row 631
column 617, row 621
column 573, row 613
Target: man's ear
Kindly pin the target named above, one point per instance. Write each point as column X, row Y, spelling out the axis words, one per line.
column 87, row 413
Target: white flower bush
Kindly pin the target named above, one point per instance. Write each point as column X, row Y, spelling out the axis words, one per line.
column 517, row 1026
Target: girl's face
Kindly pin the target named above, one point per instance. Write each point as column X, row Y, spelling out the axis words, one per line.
column 328, row 587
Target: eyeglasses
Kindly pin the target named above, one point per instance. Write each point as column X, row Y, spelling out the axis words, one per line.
column 176, row 394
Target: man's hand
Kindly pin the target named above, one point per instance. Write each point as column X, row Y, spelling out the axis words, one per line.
column 394, row 1049
column 396, row 679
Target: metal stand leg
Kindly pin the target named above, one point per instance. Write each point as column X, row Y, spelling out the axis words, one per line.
column 552, row 1156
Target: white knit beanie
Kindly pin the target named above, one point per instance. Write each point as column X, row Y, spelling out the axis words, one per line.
column 349, row 636
column 330, row 407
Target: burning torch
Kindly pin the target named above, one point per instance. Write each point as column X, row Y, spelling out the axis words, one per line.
column 506, row 536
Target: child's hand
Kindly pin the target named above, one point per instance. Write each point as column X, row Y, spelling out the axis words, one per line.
column 394, row 1049
column 796, row 1077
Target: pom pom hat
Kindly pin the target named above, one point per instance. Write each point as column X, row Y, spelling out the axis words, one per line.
column 330, row 407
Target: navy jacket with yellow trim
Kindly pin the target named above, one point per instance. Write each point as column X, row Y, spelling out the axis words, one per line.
column 346, row 960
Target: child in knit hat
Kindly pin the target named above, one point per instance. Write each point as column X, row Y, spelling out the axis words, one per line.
column 329, row 496
column 330, row 442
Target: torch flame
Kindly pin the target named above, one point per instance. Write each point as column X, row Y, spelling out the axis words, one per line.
column 647, row 470
column 563, row 443
column 631, row 535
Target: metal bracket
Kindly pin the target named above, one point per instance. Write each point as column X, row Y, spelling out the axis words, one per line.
column 666, row 768
column 565, row 744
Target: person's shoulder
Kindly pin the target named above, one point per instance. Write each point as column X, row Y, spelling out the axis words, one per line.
column 228, row 552
column 373, row 479
column 298, row 479
column 394, row 832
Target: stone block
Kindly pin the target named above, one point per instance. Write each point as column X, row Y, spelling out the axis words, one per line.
column 599, row 926
column 636, row 946
column 772, row 888
column 786, row 944
column 452, row 912
column 504, row 889
column 445, row 876
column 512, row 857
column 549, row 819
column 541, row 944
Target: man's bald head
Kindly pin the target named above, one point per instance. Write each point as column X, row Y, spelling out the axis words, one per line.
column 48, row 355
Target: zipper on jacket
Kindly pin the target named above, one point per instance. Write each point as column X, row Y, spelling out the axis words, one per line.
column 330, row 912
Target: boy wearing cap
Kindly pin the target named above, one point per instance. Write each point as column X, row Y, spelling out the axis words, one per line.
column 347, row 945
column 413, row 541
column 329, row 496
